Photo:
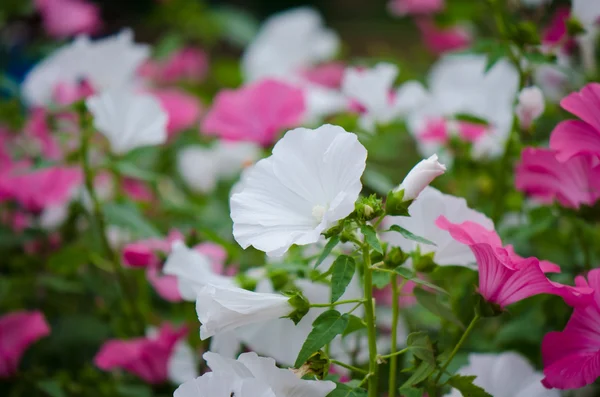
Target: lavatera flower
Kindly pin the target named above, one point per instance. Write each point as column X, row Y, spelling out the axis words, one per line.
column 311, row 181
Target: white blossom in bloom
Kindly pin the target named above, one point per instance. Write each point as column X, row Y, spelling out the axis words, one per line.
column 287, row 43
column 424, row 211
column 222, row 308
column 459, row 85
column 128, row 120
column 373, row 89
column 202, row 167
column 505, row 375
column 420, row 177
column 531, row 106
column 311, row 181
column 193, row 271
column 111, row 62
column 223, row 384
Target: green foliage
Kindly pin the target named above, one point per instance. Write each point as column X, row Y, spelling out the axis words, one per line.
column 343, row 271
column 465, row 385
column 326, row 327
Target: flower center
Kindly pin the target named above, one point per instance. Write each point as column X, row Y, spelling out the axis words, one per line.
column 318, row 211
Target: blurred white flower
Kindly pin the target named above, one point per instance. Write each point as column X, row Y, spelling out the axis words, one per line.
column 531, row 106
column 287, row 43
column 505, row 375
column 222, row 309
column 128, row 120
column 424, row 211
column 588, row 13
column 111, row 62
column 420, row 176
column 193, row 271
column 224, row 384
column 201, row 167
column 311, row 181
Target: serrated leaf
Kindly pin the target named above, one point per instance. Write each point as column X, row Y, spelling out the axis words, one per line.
column 327, row 249
column 326, row 327
column 422, row 372
column 343, row 390
column 410, row 275
column 129, row 217
column 409, row 235
column 343, row 271
column 430, row 302
column 420, row 345
column 354, row 324
column 465, row 385
column 371, row 238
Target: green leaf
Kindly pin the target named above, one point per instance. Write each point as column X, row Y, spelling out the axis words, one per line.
column 326, row 327
column 411, row 392
column 327, row 250
column 410, row 275
column 51, row 387
column 465, row 385
column 343, row 271
column 134, row 390
column 422, row 372
column 60, row 284
column 127, row 215
column 420, row 345
column 409, row 235
column 131, row 170
column 354, row 324
column 381, row 279
column 343, row 390
column 430, row 302
column 371, row 237
column 69, row 259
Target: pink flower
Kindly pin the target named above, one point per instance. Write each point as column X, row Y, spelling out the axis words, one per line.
column 18, row 330
column 440, row 40
column 189, row 64
column 37, row 130
column 146, row 357
column 439, row 130
column 572, row 183
column 574, row 137
column 414, row 7
column 137, row 190
column 36, row 189
column 66, row 94
column 183, row 109
column 257, row 112
column 556, row 33
column 64, row 18
column 384, row 296
column 145, row 253
column 572, row 357
column 328, row 75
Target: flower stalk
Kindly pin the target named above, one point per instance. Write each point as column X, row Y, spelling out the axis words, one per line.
column 370, row 320
column 393, row 352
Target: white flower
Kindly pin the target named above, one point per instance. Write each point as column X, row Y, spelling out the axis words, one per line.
column 531, row 105
column 287, row 43
column 424, row 211
column 420, row 177
column 222, row 308
column 201, row 168
column 193, row 271
column 182, row 364
column 223, row 384
column 588, row 13
column 459, row 85
column 110, row 62
column 128, row 120
column 311, row 181
column 372, row 88
column 505, row 375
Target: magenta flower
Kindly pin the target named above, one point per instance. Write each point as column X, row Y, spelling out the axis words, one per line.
column 64, row 18
column 257, row 112
column 572, row 357
column 415, row 7
column 187, row 64
column 37, row 130
column 328, row 75
column 572, row 183
column 145, row 253
column 183, row 109
column 146, row 357
column 574, row 137
column 439, row 130
column 443, row 39
column 18, row 330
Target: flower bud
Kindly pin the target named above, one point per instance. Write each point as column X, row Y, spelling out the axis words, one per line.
column 368, row 208
column 301, row 306
column 531, row 106
column 418, row 178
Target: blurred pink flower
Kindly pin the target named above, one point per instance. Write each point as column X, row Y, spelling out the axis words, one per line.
column 443, row 39
column 439, row 130
column 145, row 253
column 18, row 330
column 574, row 137
column 36, row 189
column 66, row 94
column 137, row 190
column 415, row 7
column 556, row 33
column 572, row 357
column 37, row 129
column 146, row 357
column 183, row 109
column 257, row 112
column 189, row 64
column 64, row 18
column 328, row 75
column 572, row 183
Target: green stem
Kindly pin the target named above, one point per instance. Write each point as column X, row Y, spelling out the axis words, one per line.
column 393, row 355
column 337, row 303
column 462, row 340
column 348, row 366
column 587, row 259
column 100, row 222
column 393, row 352
column 370, row 319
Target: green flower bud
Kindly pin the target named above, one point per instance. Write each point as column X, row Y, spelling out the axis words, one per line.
column 301, row 304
